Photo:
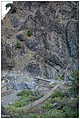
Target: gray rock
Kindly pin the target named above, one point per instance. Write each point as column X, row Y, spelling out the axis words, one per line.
column 54, row 34
column 16, row 22
column 34, row 45
column 72, row 38
column 20, row 37
column 33, row 68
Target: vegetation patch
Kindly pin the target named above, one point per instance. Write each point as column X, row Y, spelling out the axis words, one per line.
column 26, row 97
column 18, row 44
column 29, row 33
column 60, row 77
column 59, row 105
column 25, row 93
column 11, row 6
column 58, row 93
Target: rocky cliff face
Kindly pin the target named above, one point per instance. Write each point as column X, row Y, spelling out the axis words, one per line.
column 41, row 38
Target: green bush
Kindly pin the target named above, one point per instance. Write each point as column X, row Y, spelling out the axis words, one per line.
column 29, row 33
column 25, row 93
column 26, row 97
column 58, row 93
column 47, row 106
column 9, row 5
column 54, row 114
column 12, row 7
column 20, row 103
column 60, row 77
column 18, row 44
column 70, row 112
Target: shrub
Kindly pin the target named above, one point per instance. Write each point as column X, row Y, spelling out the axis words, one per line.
column 20, row 103
column 58, row 94
column 29, row 33
column 12, row 7
column 26, row 97
column 25, row 93
column 54, row 114
column 60, row 77
column 18, row 44
column 47, row 106
column 70, row 112
column 9, row 5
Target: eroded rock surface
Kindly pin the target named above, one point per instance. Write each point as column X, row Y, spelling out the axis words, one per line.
column 50, row 50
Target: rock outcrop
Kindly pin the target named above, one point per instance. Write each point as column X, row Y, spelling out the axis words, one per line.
column 51, row 48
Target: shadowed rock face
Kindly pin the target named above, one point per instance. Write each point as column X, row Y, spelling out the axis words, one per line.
column 33, row 68
column 72, row 38
column 54, row 41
